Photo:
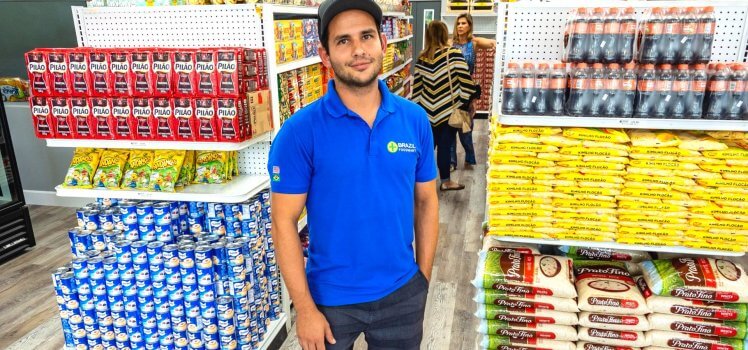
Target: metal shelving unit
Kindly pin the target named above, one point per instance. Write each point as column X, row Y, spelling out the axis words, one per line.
column 178, row 145
column 626, row 123
column 395, row 70
column 289, row 66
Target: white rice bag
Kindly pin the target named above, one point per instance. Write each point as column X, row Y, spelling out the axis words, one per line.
column 614, row 322
column 523, row 302
column 692, row 308
column 614, row 338
column 692, row 341
column 697, row 278
column 495, row 312
column 583, row 345
column 546, row 274
column 606, row 287
column 509, row 343
column 684, row 324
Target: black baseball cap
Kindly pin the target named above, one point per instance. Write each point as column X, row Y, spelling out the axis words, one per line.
column 331, row 8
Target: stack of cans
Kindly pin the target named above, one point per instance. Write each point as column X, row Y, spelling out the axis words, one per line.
column 180, row 275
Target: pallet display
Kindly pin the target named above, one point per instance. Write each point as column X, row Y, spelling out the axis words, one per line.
column 547, row 21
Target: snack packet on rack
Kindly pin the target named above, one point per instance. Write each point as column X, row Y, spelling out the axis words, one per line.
column 138, row 171
column 167, row 165
column 82, row 167
column 210, row 167
column 111, row 168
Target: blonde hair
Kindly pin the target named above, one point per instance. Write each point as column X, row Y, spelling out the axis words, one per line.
column 437, row 37
column 469, row 19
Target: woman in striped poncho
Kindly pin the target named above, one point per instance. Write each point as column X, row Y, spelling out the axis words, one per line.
column 433, row 92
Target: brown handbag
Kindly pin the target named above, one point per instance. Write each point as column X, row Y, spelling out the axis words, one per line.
column 458, row 119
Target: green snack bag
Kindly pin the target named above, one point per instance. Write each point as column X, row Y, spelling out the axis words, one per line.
column 82, row 168
column 187, row 172
column 138, row 172
column 210, row 167
column 111, row 168
column 165, row 171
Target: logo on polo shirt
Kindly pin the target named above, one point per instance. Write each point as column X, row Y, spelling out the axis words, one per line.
column 394, row 147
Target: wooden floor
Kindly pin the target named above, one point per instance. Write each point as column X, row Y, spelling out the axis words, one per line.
column 449, row 321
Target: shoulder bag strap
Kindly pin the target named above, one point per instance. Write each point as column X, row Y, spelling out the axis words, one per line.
column 449, row 75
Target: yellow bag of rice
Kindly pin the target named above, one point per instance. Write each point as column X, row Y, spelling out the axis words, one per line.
column 591, row 184
column 555, row 182
column 586, row 217
column 594, row 227
column 637, row 205
column 574, row 203
column 592, row 165
column 558, row 141
column 722, row 231
column 593, row 197
column 692, row 203
column 590, row 236
column 731, row 176
column 638, row 199
column 702, row 160
column 721, row 224
column 604, row 159
column 593, row 134
column 552, row 231
column 645, row 240
column 525, row 147
column 697, row 174
column 664, row 152
column 493, row 174
column 740, row 190
column 731, row 204
column 712, row 245
column 620, row 146
column 550, row 195
column 719, row 196
column 520, row 212
column 510, row 168
column 732, row 239
column 660, row 180
column 662, row 164
column 650, row 171
column 652, row 219
column 722, row 210
column 554, row 170
column 729, row 169
column 652, row 157
column 591, row 211
column 735, row 162
column 593, row 191
column 558, row 156
column 519, row 188
column 731, row 152
column 722, row 183
column 643, row 193
column 638, row 231
column 646, row 225
column 692, row 142
column 602, row 172
column 518, row 233
column 648, row 186
column 516, row 138
column 590, row 178
column 694, row 190
column 492, row 154
column 494, row 207
column 518, row 225
column 727, row 135
column 647, row 138
column 508, row 181
column 593, row 151
column 535, row 130
column 525, row 161
column 517, row 200
column 667, row 214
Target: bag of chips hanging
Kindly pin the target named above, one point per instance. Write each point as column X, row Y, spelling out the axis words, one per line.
column 138, row 170
column 697, row 278
column 167, row 165
column 82, row 167
column 111, row 168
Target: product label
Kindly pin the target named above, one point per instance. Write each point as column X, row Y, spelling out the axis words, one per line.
column 614, row 319
column 608, row 334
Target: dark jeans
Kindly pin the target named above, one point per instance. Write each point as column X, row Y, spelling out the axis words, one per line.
column 393, row 322
column 466, row 139
column 444, row 137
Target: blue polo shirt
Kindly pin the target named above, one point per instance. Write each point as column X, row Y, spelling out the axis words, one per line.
column 360, row 186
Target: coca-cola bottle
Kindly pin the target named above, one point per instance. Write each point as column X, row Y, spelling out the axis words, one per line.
column 542, row 84
column 628, row 91
column 611, row 36
column 576, row 103
column 557, row 89
column 689, row 26
column 681, row 92
column 697, row 90
column 649, row 51
column 670, row 43
column 612, row 96
column 704, row 35
column 595, row 29
column 664, row 90
column 718, row 101
column 628, row 33
column 645, row 92
column 527, row 88
column 597, row 90
column 577, row 41
column 511, row 94
column 737, row 86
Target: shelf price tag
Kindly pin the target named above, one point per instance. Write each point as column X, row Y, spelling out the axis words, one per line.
column 629, row 122
column 138, row 144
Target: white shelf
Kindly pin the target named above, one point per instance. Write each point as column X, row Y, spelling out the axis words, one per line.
column 394, row 14
column 625, row 123
column 237, row 190
column 399, row 39
column 474, row 14
column 289, row 66
column 303, row 222
column 140, row 144
column 483, row 112
column 395, row 70
column 294, row 10
column 272, row 331
column 613, row 245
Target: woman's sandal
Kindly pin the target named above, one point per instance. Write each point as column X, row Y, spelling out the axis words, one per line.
column 456, row 188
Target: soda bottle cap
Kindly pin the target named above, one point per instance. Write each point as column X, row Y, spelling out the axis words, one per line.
column 649, row 66
column 721, row 66
column 699, row 66
column 543, row 65
column 656, row 10
column 708, row 9
column 528, row 65
column 690, row 10
column 666, row 66
column 630, row 65
column 682, row 66
column 737, row 66
column 513, row 65
column 613, row 11
column 558, row 65
column 597, row 65
column 582, row 10
column 598, row 10
column 581, row 65
column 614, row 66
column 674, row 11
column 629, row 10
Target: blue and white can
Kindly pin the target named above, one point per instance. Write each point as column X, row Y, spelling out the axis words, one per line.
column 147, row 233
column 91, row 220
column 144, row 288
column 131, row 232
column 111, row 238
column 249, row 227
column 233, row 227
column 193, row 208
column 144, row 211
column 186, row 255
column 95, row 268
column 204, row 257
column 81, row 241
column 163, row 233
column 173, row 277
column 79, row 214
column 154, row 252
column 215, row 210
column 162, row 213
column 80, row 268
column 161, row 291
column 228, row 341
column 136, row 337
column 139, row 252
column 191, row 292
column 126, row 271
column 106, row 220
column 195, row 223
column 191, row 309
column 98, row 240
column 211, row 338
column 216, row 226
column 107, row 202
column 170, row 253
column 119, row 224
column 148, row 320
column 180, row 341
column 163, row 321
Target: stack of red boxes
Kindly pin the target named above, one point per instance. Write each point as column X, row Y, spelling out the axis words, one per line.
column 483, row 76
column 145, row 93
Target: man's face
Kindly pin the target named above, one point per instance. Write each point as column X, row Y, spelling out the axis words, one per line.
column 356, row 50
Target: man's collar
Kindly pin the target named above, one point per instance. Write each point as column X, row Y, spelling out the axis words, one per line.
column 335, row 107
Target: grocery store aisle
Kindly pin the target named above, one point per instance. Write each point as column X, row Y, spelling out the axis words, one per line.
column 449, row 321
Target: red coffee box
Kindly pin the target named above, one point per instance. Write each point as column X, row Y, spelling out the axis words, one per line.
column 98, row 63
column 42, row 116
column 227, row 67
column 184, row 112
column 229, row 112
column 61, row 114
column 163, row 114
column 119, row 73
column 57, row 59
column 140, row 73
column 80, row 75
column 207, row 78
column 38, row 71
column 142, row 112
column 205, row 114
column 101, row 110
column 82, row 120
column 185, row 76
column 161, row 71
column 124, row 122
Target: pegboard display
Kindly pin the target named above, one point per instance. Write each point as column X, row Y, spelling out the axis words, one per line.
column 253, row 160
column 168, row 26
column 535, row 31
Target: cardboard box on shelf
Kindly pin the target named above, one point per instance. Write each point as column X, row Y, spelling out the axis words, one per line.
column 259, row 112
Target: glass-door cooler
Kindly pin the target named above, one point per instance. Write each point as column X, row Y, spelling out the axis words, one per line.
column 16, row 233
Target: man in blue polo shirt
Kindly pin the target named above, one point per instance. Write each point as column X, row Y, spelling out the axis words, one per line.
column 362, row 161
